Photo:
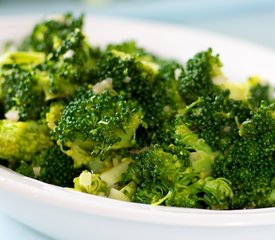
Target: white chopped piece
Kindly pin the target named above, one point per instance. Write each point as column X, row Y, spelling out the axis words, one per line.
column 167, row 108
column 103, row 85
column 12, row 115
column 178, row 72
column 220, row 79
column 227, row 129
column 127, row 79
column 36, row 171
column 85, row 179
column 68, row 54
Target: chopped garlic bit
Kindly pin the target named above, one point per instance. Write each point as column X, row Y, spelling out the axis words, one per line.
column 68, row 54
column 12, row 115
column 36, row 171
column 127, row 79
column 103, row 85
column 178, row 72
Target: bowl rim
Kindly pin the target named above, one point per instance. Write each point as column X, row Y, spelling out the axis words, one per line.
column 43, row 193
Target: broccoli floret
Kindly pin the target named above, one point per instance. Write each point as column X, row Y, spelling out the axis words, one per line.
column 209, row 192
column 260, row 92
column 30, row 83
column 200, row 75
column 151, row 81
column 74, row 60
column 249, row 162
column 53, row 113
column 131, row 76
column 164, row 103
column 163, row 178
column 52, row 166
column 103, row 184
column 130, row 47
column 96, row 124
column 67, row 49
column 23, row 95
column 216, row 119
column 201, row 157
column 22, row 140
column 47, row 35
column 252, row 91
column 89, row 182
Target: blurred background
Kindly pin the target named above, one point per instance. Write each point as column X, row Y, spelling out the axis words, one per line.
column 252, row 20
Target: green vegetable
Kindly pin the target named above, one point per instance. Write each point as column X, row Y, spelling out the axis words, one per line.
column 123, row 123
column 93, row 126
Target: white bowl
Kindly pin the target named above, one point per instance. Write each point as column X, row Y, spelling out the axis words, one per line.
column 65, row 214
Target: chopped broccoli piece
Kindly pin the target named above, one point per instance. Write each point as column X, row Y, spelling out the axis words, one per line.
column 48, row 34
column 200, row 75
column 163, row 178
column 50, row 166
column 89, row 182
column 22, row 140
column 216, row 119
column 201, row 157
column 103, row 184
column 97, row 124
column 249, row 162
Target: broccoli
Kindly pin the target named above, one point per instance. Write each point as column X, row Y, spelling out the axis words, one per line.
column 22, row 140
column 130, row 47
column 201, row 156
column 47, row 35
column 89, row 182
column 124, row 123
column 249, row 162
column 58, row 61
column 62, row 39
column 104, row 184
column 96, row 125
column 163, row 178
column 201, row 74
column 252, row 91
column 164, row 103
column 30, row 80
column 50, row 165
column 216, row 119
column 151, row 81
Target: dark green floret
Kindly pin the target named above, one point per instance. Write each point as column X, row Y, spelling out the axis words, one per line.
column 197, row 79
column 96, row 124
column 249, row 163
column 216, row 119
column 162, row 178
column 52, row 166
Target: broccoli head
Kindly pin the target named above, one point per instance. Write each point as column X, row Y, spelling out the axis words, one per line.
column 249, row 162
column 52, row 166
column 201, row 157
column 216, row 119
column 201, row 73
column 89, row 182
column 22, row 140
column 163, row 178
column 47, row 35
column 97, row 124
